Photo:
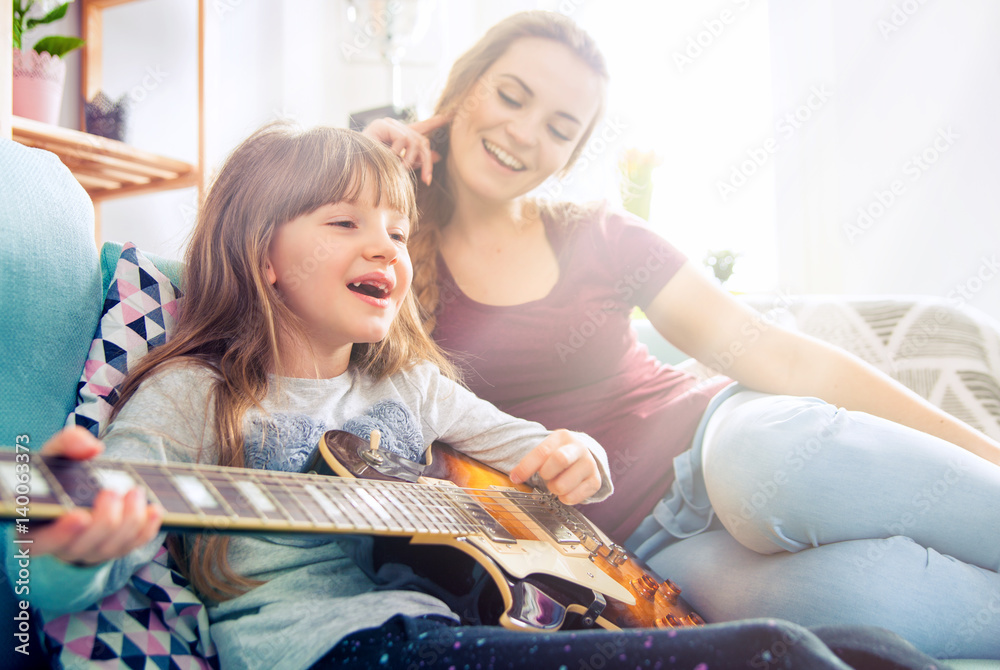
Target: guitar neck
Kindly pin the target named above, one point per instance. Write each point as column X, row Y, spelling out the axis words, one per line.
column 244, row 500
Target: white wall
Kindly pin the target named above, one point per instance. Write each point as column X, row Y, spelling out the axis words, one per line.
column 264, row 60
column 909, row 137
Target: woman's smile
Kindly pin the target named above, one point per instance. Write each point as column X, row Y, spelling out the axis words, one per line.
column 503, row 157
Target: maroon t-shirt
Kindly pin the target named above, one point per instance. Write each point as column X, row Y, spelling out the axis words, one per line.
column 572, row 360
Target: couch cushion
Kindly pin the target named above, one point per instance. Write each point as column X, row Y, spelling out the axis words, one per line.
column 948, row 353
column 140, row 309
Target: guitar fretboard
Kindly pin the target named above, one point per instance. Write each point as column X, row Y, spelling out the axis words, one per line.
column 236, row 499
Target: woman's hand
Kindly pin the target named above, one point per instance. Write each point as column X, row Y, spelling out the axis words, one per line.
column 410, row 142
column 114, row 526
column 568, row 468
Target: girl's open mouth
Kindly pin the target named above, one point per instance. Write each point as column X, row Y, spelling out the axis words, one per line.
column 371, row 289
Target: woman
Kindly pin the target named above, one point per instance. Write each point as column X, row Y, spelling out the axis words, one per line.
column 760, row 498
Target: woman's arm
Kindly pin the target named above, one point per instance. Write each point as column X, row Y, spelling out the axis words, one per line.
column 708, row 324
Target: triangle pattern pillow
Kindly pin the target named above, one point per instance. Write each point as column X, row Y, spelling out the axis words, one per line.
column 140, row 310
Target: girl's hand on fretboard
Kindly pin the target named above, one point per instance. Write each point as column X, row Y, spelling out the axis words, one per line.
column 115, row 525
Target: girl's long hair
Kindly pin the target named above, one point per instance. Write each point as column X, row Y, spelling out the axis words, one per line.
column 231, row 315
column 460, row 95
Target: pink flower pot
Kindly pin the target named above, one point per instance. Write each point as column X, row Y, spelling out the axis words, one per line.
column 38, row 85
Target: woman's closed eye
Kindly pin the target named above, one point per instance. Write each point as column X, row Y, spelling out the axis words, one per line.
column 513, row 102
column 559, row 136
column 509, row 100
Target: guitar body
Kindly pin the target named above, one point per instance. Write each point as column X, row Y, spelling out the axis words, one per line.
column 560, row 571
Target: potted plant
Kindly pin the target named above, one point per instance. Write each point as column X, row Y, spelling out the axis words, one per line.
column 39, row 72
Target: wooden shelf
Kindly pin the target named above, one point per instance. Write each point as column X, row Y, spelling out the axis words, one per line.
column 106, row 168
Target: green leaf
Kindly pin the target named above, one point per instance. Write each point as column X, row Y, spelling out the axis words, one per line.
column 54, row 15
column 17, row 36
column 58, row 46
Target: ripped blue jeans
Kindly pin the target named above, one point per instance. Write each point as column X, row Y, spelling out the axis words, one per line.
column 792, row 508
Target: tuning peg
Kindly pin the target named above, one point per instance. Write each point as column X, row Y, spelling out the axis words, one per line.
column 371, row 454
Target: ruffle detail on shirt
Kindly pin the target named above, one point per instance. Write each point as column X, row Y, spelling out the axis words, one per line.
column 282, row 441
column 400, row 433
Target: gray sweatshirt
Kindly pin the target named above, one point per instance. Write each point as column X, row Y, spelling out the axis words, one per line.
column 314, row 594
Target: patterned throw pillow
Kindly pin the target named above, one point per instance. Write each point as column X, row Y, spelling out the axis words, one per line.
column 139, row 313
column 155, row 621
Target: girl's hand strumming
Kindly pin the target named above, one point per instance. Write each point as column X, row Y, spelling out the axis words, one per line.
column 410, row 142
column 115, row 525
column 568, row 468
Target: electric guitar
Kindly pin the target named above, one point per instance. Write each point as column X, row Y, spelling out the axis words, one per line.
column 550, row 567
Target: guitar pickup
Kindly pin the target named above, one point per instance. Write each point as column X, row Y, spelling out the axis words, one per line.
column 548, row 518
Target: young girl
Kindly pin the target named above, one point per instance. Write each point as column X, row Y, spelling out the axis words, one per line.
column 800, row 493
column 297, row 319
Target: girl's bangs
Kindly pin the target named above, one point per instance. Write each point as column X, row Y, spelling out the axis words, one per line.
column 326, row 165
column 376, row 168
column 351, row 168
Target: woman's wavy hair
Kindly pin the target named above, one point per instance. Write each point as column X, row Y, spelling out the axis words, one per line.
column 435, row 202
column 231, row 316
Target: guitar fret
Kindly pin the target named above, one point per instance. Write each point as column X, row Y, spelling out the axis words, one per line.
column 437, row 502
column 398, row 508
column 446, row 510
column 79, row 490
column 306, row 501
column 318, row 492
column 284, row 497
column 237, row 501
column 170, row 498
column 44, row 489
column 468, row 506
column 332, row 492
column 376, row 506
column 354, row 508
column 427, row 513
column 227, row 509
column 151, row 495
column 261, row 497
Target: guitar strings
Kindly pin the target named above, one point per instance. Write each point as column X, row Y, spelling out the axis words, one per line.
column 511, row 506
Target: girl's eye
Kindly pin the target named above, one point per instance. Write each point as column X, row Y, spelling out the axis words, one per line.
column 399, row 237
column 344, row 223
column 507, row 99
